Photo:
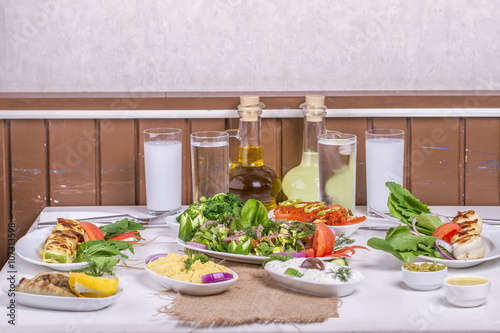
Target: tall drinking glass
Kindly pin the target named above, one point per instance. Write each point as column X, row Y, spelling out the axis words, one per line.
column 337, row 169
column 163, row 165
column 384, row 162
column 209, row 163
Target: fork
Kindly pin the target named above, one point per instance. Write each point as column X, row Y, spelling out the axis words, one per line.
column 141, row 220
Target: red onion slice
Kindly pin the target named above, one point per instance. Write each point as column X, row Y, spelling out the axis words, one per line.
column 228, row 239
column 445, row 245
column 216, row 277
column 198, row 245
column 154, row 257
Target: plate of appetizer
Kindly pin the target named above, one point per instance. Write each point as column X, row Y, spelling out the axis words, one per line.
column 315, row 277
column 52, row 291
column 458, row 243
column 30, row 248
column 192, row 273
column 71, row 244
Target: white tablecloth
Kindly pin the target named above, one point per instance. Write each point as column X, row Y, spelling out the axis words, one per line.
column 382, row 303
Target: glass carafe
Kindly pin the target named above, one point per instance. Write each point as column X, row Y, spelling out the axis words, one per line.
column 250, row 178
column 302, row 181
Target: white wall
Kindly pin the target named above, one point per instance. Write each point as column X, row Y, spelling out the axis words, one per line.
column 224, row 45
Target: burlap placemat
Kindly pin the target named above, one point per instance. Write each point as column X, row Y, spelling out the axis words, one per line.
column 255, row 297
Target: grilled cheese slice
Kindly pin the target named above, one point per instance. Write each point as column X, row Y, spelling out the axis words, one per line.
column 467, row 243
column 62, row 243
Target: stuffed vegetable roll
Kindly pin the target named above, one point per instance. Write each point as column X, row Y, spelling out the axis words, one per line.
column 62, row 243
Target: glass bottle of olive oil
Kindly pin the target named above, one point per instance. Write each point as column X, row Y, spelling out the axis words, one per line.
column 302, row 181
column 250, row 178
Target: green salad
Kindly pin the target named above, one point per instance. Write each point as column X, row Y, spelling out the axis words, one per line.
column 224, row 223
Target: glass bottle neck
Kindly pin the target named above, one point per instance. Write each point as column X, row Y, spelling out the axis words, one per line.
column 250, row 151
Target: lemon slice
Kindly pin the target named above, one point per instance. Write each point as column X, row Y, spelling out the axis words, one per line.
column 84, row 285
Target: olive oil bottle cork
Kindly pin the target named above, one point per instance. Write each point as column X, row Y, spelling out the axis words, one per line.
column 250, row 108
column 314, row 108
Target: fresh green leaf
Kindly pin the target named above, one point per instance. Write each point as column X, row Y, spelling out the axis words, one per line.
column 120, row 227
column 100, row 266
column 403, row 244
column 101, row 248
column 193, row 257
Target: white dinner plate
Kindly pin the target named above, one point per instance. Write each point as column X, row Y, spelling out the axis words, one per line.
column 491, row 239
column 64, row 303
column 248, row 259
column 172, row 223
column 29, row 247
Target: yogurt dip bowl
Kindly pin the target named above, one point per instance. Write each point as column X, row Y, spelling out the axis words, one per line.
column 466, row 290
column 314, row 282
column 423, row 280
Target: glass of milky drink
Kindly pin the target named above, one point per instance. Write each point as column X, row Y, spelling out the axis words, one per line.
column 163, row 167
column 209, row 163
column 337, row 169
column 384, row 163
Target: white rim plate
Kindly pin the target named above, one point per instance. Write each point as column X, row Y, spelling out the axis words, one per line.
column 491, row 238
column 65, row 303
column 29, row 246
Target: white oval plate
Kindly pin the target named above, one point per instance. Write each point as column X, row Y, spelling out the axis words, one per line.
column 323, row 289
column 29, row 246
column 491, row 238
column 64, row 303
column 189, row 288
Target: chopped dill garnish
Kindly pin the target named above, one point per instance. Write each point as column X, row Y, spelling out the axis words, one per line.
column 343, row 273
column 341, row 241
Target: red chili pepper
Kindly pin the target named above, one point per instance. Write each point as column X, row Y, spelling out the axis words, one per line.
column 126, row 235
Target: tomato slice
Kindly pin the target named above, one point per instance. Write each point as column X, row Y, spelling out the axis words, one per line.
column 323, row 240
column 290, row 216
column 92, row 232
column 446, row 231
column 309, row 252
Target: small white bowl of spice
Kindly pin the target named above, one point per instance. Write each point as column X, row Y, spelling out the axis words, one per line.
column 466, row 291
column 424, row 275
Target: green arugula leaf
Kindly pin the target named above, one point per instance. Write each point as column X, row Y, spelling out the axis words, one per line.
column 120, row 227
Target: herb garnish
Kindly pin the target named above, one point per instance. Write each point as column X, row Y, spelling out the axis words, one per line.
column 343, row 273
column 99, row 266
column 279, row 257
column 192, row 257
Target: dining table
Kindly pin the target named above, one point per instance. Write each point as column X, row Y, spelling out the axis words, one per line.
column 381, row 303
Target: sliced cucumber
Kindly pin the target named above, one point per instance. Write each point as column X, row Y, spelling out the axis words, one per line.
column 293, row 272
column 340, row 262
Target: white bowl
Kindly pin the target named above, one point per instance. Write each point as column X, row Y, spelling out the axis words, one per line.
column 346, row 230
column 466, row 296
column 323, row 289
column 189, row 288
column 423, row 280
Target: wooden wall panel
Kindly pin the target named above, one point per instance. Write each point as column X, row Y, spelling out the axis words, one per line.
column 28, row 171
column 356, row 126
column 154, row 123
column 118, row 153
column 482, row 174
column 73, row 162
column 5, row 207
column 436, row 160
